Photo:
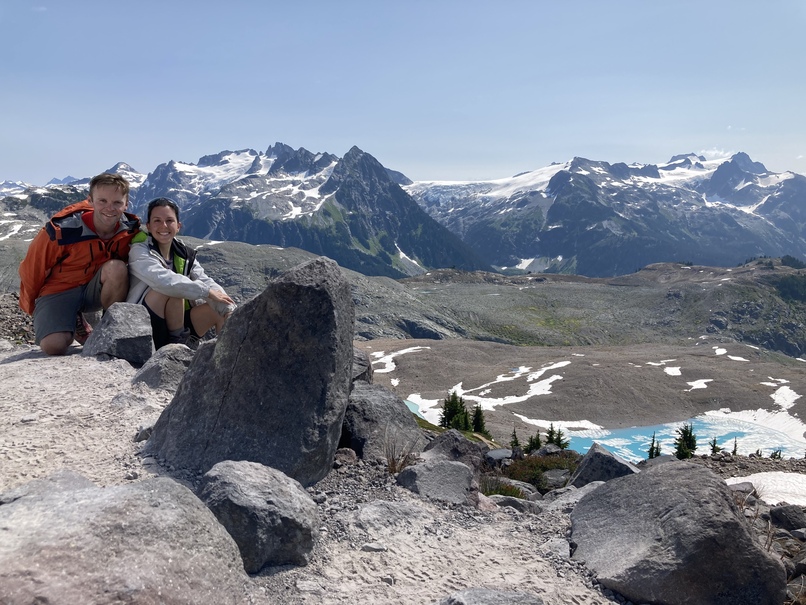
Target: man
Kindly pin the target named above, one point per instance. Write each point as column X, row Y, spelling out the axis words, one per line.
column 77, row 263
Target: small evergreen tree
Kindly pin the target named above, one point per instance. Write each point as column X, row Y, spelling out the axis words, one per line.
column 714, row 447
column 513, row 442
column 654, row 448
column 533, row 444
column 685, row 444
column 550, row 434
column 776, row 454
column 478, row 421
column 735, row 447
column 559, row 441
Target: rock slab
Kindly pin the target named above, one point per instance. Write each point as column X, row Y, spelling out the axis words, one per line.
column 68, row 541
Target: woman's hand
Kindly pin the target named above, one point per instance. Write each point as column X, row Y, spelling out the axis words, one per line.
column 220, row 296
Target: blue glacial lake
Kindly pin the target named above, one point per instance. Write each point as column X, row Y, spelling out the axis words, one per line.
column 633, row 443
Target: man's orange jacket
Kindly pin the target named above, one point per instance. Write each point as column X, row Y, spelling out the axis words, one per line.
column 66, row 253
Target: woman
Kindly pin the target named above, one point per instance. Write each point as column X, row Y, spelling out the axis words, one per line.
column 181, row 299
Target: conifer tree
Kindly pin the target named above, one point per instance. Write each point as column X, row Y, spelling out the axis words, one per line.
column 454, row 413
column 478, row 421
column 714, row 447
column 735, row 446
column 685, row 444
column 550, row 434
column 652, row 446
column 513, row 442
column 559, row 441
column 533, row 444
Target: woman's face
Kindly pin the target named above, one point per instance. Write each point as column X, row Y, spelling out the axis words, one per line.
column 163, row 224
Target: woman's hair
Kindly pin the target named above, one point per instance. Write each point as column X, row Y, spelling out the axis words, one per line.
column 162, row 201
column 110, row 180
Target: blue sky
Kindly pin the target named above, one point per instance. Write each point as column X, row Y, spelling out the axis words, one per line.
column 438, row 89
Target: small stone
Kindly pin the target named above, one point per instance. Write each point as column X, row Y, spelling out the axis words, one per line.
column 388, row 580
column 29, row 418
column 374, row 547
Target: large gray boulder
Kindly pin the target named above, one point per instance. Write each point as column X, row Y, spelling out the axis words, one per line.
column 165, row 369
column 452, row 445
column 272, row 519
column 440, row 480
column 273, row 387
column 673, row 535
column 378, row 424
column 123, row 332
column 788, row 516
column 65, row 540
column 600, row 464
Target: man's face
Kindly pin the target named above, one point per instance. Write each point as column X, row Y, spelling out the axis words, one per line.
column 109, row 204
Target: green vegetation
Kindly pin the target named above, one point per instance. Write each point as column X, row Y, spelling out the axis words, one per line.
column 491, row 484
column 685, row 444
column 478, row 423
column 533, row 444
column 455, row 416
column 654, row 448
column 792, row 287
column 531, row 468
column 557, row 437
column 714, row 447
column 791, row 261
column 776, row 454
column 513, row 441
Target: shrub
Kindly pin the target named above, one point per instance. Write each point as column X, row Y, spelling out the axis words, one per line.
column 491, row 484
column 531, row 468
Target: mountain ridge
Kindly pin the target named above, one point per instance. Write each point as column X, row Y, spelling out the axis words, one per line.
column 583, row 216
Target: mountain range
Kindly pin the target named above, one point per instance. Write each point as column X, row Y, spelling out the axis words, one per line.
column 586, row 217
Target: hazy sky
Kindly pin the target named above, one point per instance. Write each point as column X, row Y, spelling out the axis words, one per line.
column 437, row 89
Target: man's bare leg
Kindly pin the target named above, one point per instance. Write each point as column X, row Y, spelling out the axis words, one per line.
column 56, row 343
column 114, row 282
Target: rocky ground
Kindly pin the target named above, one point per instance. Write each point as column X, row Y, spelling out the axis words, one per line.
column 15, row 325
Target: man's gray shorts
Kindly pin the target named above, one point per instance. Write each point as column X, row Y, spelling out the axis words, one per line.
column 57, row 312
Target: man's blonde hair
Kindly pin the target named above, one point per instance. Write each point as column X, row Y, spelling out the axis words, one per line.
column 110, row 180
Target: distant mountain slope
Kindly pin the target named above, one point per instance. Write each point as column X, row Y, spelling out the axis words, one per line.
column 599, row 219
column 349, row 209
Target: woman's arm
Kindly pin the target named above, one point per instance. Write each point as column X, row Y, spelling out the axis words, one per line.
column 217, row 297
column 154, row 272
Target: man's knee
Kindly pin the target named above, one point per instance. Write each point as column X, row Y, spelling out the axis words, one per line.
column 114, row 272
column 56, row 343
